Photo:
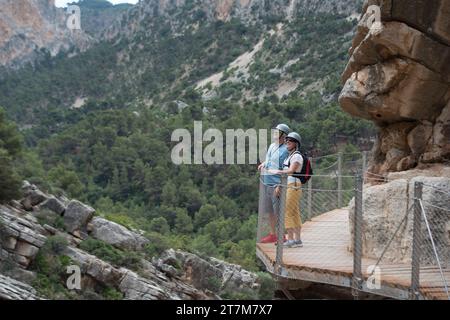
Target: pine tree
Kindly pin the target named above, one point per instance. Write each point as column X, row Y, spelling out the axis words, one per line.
column 10, row 147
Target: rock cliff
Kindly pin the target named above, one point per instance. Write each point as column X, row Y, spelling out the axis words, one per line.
column 33, row 246
column 31, row 28
column 399, row 77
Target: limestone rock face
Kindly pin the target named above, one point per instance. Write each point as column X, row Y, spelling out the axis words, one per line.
column 398, row 76
column 200, row 272
column 20, row 238
column 117, row 235
column 154, row 286
column 11, row 289
column 390, row 207
column 28, row 26
column 176, row 275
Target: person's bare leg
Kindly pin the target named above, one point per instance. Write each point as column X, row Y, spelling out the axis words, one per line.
column 273, row 222
column 298, row 231
column 290, row 234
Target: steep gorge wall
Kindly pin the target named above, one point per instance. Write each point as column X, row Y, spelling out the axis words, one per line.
column 27, row 26
column 399, row 77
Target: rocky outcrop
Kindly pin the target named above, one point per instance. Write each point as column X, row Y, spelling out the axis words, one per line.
column 21, row 237
column 153, row 285
column 202, row 273
column 176, row 275
column 11, row 289
column 398, row 76
column 28, row 27
column 76, row 217
column 116, row 235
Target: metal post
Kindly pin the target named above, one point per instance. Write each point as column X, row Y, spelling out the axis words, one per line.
column 357, row 233
column 310, row 214
column 280, row 225
column 261, row 212
column 417, row 239
column 364, row 164
column 339, row 204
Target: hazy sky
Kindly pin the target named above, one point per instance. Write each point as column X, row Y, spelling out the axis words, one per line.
column 63, row 3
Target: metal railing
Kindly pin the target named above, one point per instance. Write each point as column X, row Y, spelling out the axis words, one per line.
column 411, row 246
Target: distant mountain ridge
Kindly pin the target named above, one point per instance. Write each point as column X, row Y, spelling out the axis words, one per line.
column 163, row 51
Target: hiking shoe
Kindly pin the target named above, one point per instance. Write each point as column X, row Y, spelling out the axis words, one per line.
column 289, row 243
column 297, row 244
column 269, row 239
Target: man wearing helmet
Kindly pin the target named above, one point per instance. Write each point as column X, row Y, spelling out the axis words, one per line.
column 276, row 155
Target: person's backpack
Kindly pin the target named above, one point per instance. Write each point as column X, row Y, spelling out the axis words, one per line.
column 305, row 174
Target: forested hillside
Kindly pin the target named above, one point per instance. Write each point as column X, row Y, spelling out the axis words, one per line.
column 112, row 148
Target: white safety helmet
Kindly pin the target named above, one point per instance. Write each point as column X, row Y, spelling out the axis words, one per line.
column 283, row 128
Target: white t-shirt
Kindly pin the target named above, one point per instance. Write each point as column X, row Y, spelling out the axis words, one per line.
column 294, row 158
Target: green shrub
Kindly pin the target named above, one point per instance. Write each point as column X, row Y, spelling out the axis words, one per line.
column 242, row 294
column 51, row 267
column 54, row 245
column 214, row 284
column 158, row 244
column 121, row 219
column 50, row 218
column 267, row 286
column 112, row 294
column 105, row 251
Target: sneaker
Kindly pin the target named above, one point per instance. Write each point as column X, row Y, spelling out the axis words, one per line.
column 289, row 243
column 269, row 239
column 297, row 244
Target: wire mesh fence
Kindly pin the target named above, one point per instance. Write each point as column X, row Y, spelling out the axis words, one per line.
column 434, row 251
column 408, row 244
column 332, row 185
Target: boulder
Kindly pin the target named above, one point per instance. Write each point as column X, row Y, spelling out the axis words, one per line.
column 54, row 205
column 77, row 215
column 135, row 287
column 116, row 235
column 91, row 266
column 32, row 198
column 201, row 273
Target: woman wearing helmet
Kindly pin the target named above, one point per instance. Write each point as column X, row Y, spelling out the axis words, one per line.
column 291, row 166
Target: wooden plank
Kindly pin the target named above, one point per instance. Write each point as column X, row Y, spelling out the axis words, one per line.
column 325, row 258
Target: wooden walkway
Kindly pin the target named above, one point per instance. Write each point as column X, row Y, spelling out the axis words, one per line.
column 325, row 258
